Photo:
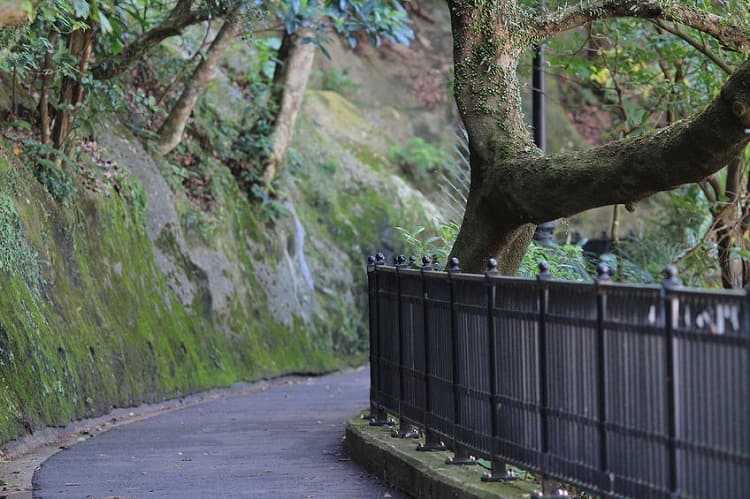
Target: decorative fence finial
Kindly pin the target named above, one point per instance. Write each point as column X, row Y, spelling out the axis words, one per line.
column 379, row 258
column 672, row 277
column 400, row 261
column 492, row 267
column 602, row 272
column 413, row 262
column 371, row 261
column 544, row 273
column 426, row 263
column 453, row 265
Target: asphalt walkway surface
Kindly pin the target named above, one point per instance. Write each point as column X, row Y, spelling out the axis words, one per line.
column 284, row 442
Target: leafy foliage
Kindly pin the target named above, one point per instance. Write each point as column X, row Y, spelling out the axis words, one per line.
column 420, row 161
column 419, row 243
column 566, row 262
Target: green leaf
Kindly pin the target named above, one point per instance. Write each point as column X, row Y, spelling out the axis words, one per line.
column 80, row 8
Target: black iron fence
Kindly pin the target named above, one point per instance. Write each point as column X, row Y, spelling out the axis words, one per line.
column 623, row 390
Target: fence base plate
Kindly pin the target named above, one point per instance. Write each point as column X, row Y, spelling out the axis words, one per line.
column 406, row 433
column 432, row 447
column 508, row 476
column 382, row 422
column 461, row 461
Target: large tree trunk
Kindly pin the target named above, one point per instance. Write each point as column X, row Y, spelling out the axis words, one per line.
column 514, row 185
column 170, row 133
column 729, row 227
column 290, row 81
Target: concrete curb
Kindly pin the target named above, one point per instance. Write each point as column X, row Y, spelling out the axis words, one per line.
column 422, row 474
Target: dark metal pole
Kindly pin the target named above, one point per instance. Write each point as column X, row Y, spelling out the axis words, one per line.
column 602, row 279
column 499, row 472
column 372, row 296
column 406, row 429
column 460, row 453
column 431, row 441
column 538, row 104
column 671, row 314
column 381, row 418
column 544, row 232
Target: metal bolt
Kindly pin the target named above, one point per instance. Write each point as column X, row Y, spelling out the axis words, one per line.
column 492, row 267
column 544, row 272
column 379, row 258
column 602, row 273
column 672, row 277
column 453, row 266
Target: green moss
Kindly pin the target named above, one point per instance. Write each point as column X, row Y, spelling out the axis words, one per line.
column 88, row 321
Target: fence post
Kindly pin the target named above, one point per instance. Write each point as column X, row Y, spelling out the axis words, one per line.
column 432, row 442
column 405, row 428
column 499, row 471
column 548, row 486
column 372, row 293
column 671, row 316
column 602, row 279
column 380, row 418
column 460, row 453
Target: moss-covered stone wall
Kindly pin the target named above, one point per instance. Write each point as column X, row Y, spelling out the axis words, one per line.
column 131, row 292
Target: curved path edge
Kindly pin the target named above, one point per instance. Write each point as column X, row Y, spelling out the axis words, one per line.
column 19, row 459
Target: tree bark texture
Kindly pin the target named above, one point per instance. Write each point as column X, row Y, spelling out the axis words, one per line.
column 180, row 17
column 80, row 44
column 514, row 185
column 170, row 133
column 290, row 82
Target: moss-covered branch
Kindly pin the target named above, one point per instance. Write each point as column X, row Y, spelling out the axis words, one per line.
column 177, row 20
column 628, row 170
column 733, row 37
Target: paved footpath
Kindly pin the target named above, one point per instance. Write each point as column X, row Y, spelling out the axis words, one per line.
column 284, row 442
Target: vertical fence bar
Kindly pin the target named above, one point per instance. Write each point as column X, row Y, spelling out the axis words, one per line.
column 380, row 418
column 432, row 442
column 543, row 276
column 372, row 293
column 602, row 279
column 671, row 312
column 405, row 428
column 460, row 453
column 499, row 471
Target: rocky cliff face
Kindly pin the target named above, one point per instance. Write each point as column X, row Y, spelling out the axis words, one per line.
column 130, row 292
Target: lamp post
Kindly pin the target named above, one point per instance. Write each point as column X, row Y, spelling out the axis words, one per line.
column 544, row 231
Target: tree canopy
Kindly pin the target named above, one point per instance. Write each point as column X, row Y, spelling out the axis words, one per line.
column 515, row 185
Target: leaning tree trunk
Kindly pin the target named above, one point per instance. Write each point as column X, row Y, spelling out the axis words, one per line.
column 170, row 133
column 729, row 232
column 290, row 81
column 514, row 185
column 80, row 44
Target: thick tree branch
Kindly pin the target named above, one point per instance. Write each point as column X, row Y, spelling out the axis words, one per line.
column 733, row 37
column 177, row 20
column 626, row 170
